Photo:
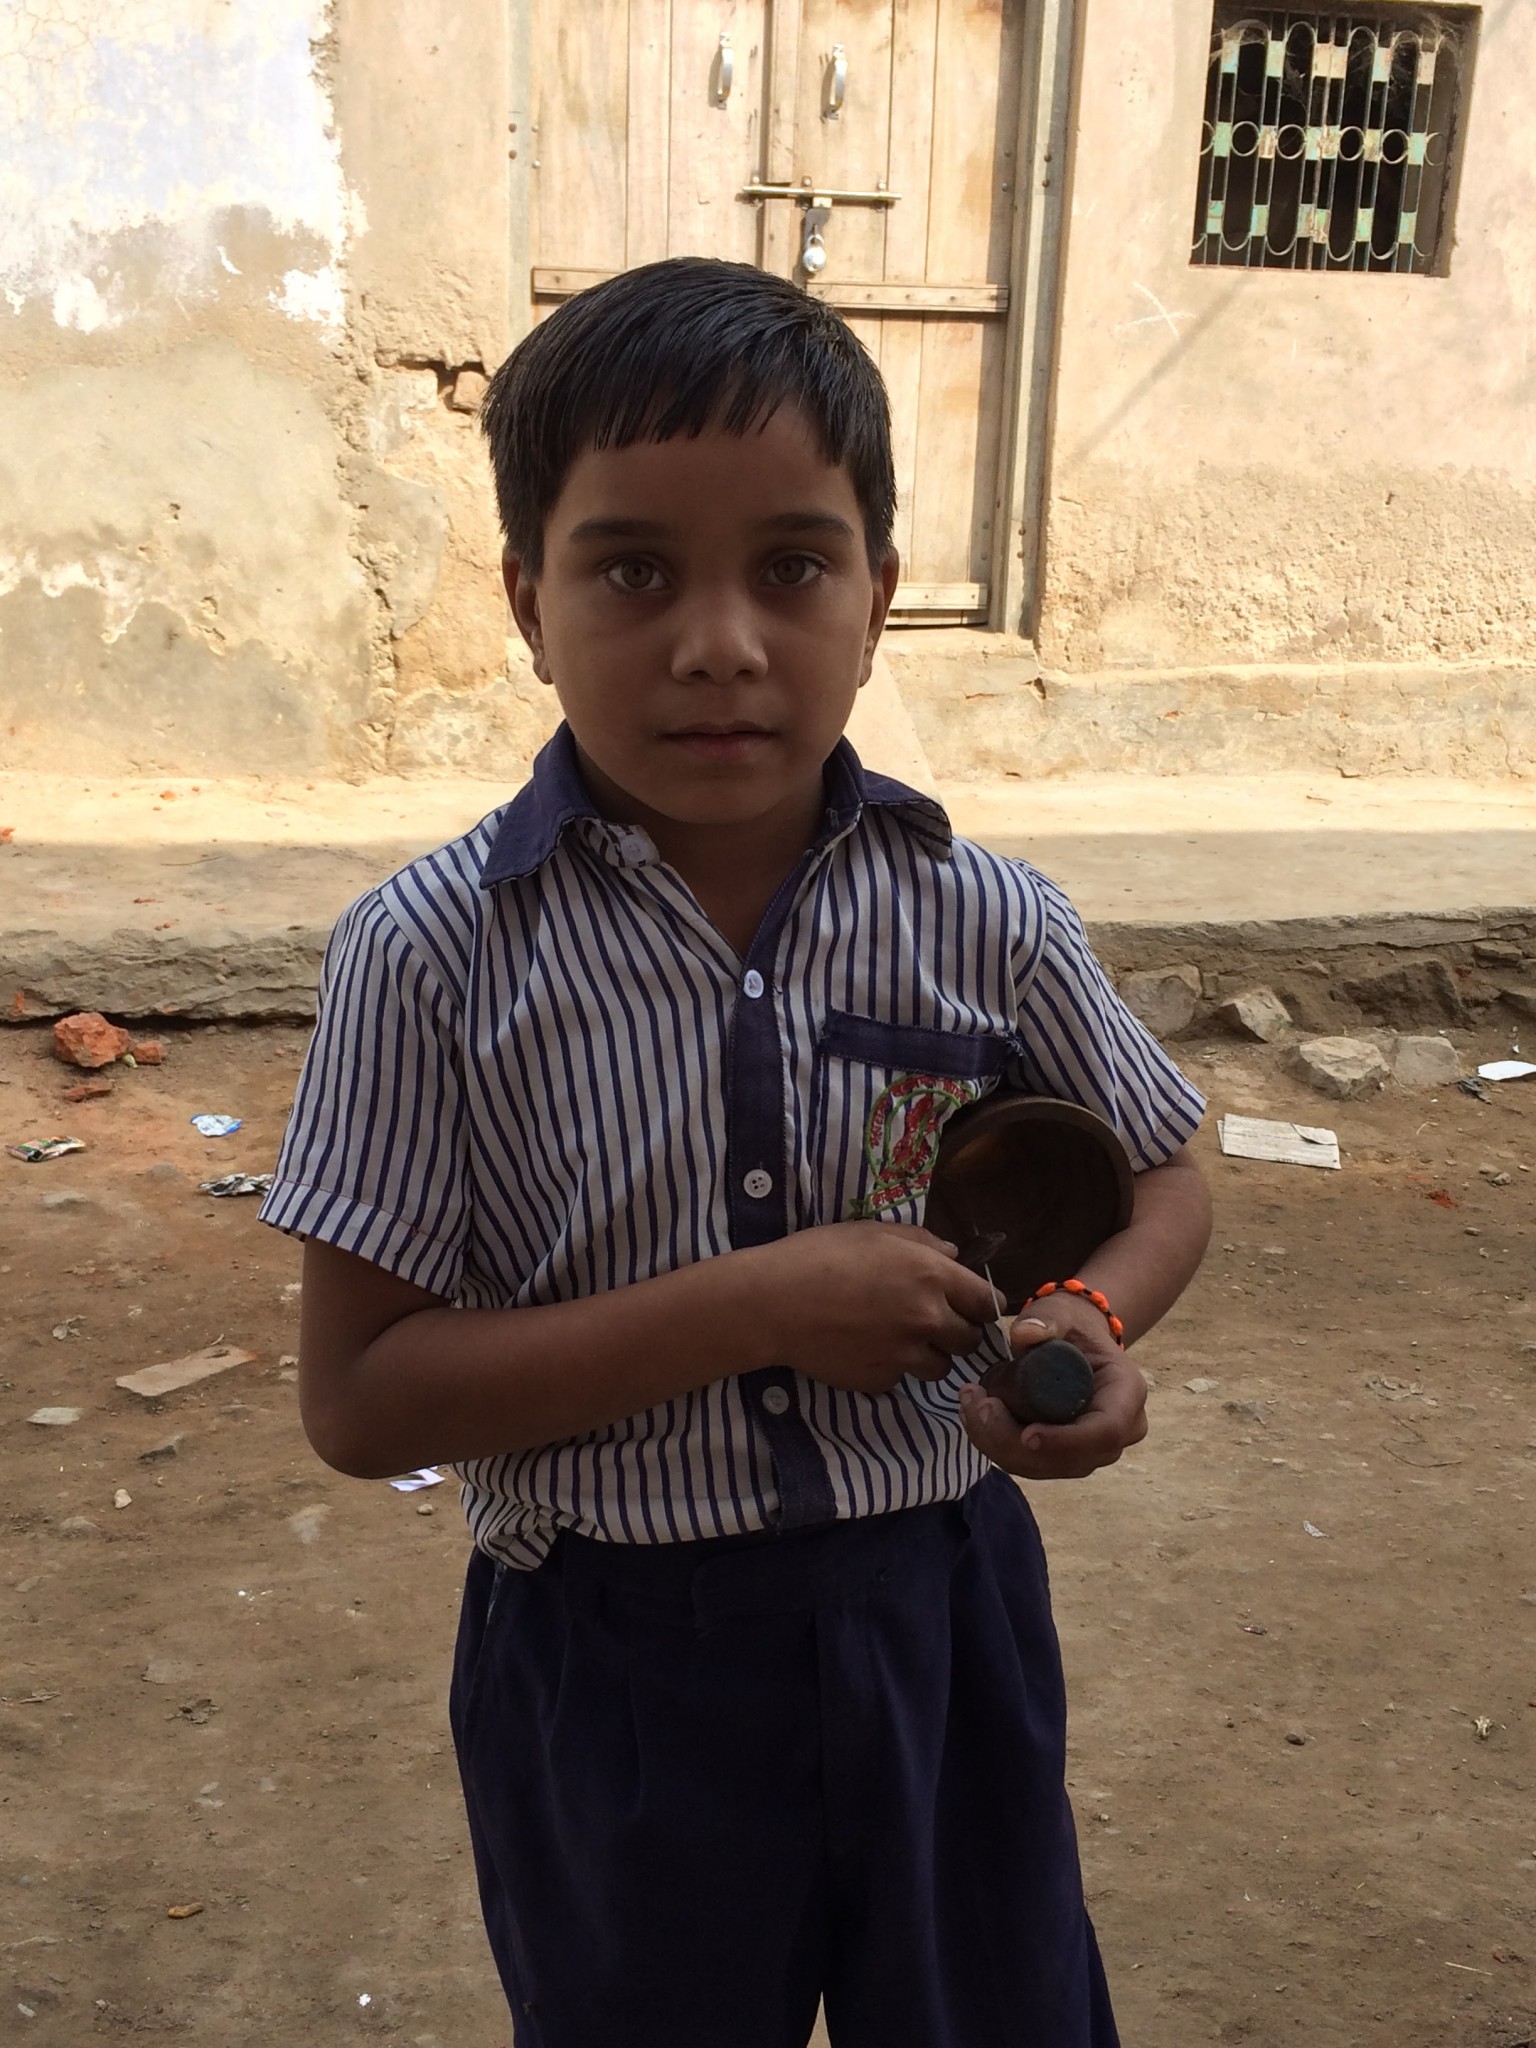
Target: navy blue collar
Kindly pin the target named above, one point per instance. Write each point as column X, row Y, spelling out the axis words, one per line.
column 555, row 797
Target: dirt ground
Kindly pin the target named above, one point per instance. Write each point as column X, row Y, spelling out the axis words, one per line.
column 1303, row 1756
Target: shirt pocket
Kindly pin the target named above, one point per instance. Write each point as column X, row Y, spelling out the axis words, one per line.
column 884, row 1093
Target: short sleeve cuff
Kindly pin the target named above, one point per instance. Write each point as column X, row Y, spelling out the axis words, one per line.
column 389, row 1241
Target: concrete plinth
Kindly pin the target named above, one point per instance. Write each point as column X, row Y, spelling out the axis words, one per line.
column 213, row 900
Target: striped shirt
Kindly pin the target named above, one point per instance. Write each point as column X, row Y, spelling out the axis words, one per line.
column 540, row 1072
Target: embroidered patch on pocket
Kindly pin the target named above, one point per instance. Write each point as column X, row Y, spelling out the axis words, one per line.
column 901, row 1138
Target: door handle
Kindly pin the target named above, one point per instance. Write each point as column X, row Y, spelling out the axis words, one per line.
column 837, row 83
column 724, row 70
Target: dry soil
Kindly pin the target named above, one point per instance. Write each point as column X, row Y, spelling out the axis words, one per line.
column 1299, row 1621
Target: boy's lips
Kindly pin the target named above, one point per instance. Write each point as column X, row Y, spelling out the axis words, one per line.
column 729, row 729
column 726, row 742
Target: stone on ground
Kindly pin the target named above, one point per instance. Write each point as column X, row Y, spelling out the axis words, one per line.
column 1425, row 1063
column 1162, row 998
column 1521, row 1000
column 1419, row 991
column 1258, row 1014
column 88, row 1040
column 1341, row 1067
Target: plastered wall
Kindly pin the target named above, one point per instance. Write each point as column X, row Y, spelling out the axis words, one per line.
column 1265, row 467
column 257, row 256
column 253, row 263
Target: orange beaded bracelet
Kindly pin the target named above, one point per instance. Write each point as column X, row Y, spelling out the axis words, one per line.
column 1087, row 1293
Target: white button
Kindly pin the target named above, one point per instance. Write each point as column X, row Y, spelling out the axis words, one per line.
column 758, row 1184
column 776, row 1401
column 634, row 849
column 752, row 983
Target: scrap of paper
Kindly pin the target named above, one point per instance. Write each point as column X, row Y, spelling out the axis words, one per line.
column 1255, row 1137
column 413, row 1482
column 1506, row 1070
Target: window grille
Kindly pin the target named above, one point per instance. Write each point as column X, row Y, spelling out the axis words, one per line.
column 1331, row 141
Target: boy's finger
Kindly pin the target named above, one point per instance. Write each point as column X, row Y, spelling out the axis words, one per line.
column 1120, row 1397
column 973, row 1297
column 1069, row 1450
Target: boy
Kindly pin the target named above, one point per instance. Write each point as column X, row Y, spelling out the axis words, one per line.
column 756, row 1697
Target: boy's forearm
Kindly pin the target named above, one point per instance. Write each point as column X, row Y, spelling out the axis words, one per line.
column 1145, row 1269
column 441, row 1385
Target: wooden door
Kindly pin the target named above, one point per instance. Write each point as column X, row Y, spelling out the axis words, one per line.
column 655, row 119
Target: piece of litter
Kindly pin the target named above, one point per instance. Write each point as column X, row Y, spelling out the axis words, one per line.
column 1506, row 1070
column 70, row 1327
column 177, row 1373
column 122, row 1498
column 1256, row 1137
column 1311, row 1531
column 214, row 1126
column 1254, row 1628
column 45, row 1148
column 1201, row 1386
column 288, row 1358
column 413, row 1482
column 1470, row 1086
column 1483, row 1726
column 54, row 1418
column 236, row 1184
column 189, row 1912
column 363, row 1998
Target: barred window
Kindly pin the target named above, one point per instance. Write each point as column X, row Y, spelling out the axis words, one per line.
column 1332, row 141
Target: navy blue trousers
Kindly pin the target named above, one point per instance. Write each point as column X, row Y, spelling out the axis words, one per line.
column 711, row 1783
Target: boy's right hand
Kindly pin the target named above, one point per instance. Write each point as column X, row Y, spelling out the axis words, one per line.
column 863, row 1305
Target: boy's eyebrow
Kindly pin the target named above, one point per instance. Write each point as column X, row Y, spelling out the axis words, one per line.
column 652, row 529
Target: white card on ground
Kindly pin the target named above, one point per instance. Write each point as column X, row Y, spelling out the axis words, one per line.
column 413, row 1482
column 1255, row 1137
column 1506, row 1070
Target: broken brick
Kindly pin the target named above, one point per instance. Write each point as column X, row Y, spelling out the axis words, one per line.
column 88, row 1040
column 88, row 1091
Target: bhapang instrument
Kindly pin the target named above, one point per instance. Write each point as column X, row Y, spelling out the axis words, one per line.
column 1028, row 1187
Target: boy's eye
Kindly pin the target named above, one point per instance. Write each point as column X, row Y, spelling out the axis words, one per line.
column 793, row 572
column 634, row 575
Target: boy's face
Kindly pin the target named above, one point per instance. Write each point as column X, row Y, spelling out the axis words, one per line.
column 706, row 613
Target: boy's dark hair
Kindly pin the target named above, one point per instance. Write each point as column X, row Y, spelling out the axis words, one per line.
column 672, row 348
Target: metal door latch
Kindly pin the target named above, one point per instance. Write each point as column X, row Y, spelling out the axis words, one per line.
column 818, row 211
column 809, row 197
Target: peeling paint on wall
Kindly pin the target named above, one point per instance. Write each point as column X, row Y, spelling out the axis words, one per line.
column 133, row 135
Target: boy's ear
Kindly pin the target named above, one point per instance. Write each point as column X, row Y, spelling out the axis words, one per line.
column 523, row 596
column 886, row 577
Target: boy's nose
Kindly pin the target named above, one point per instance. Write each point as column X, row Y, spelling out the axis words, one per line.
column 718, row 638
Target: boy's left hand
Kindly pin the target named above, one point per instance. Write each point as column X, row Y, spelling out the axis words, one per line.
column 1116, row 1418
